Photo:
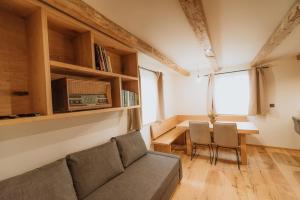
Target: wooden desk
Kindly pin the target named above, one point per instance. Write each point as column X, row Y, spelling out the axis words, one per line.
column 244, row 129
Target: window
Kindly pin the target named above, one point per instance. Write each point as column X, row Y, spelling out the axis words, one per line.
column 232, row 93
column 149, row 96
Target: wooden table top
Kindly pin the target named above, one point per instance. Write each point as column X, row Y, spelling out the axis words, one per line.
column 243, row 127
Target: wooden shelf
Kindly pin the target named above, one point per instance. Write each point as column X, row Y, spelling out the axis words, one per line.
column 60, row 67
column 9, row 122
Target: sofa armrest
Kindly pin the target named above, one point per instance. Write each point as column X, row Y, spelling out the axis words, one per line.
column 171, row 156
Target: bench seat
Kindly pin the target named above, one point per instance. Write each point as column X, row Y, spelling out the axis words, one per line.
column 169, row 137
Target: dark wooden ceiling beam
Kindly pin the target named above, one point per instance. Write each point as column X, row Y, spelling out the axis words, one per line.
column 90, row 16
column 283, row 30
column 194, row 12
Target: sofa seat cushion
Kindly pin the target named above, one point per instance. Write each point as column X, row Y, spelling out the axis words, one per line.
column 146, row 179
column 131, row 147
column 94, row 167
column 52, row 181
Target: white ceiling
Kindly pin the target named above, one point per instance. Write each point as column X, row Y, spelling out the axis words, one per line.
column 160, row 23
column 238, row 28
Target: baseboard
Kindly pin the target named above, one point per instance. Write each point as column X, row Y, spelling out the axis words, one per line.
column 266, row 146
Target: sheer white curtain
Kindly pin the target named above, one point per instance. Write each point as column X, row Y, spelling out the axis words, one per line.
column 149, row 93
column 232, row 93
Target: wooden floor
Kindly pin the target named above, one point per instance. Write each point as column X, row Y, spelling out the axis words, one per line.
column 271, row 174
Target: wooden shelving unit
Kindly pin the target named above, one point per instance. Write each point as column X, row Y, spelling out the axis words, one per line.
column 41, row 45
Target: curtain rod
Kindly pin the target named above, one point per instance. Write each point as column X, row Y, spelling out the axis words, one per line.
column 147, row 69
column 236, row 71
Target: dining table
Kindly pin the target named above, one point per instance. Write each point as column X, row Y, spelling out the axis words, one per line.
column 243, row 128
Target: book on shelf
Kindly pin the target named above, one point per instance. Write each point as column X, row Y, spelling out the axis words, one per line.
column 129, row 98
column 102, row 59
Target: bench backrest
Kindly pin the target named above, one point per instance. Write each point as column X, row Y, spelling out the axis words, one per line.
column 234, row 118
column 182, row 118
column 159, row 128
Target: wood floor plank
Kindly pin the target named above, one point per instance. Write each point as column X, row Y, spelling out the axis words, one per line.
column 270, row 174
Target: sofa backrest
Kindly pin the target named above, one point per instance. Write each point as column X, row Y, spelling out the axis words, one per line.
column 131, row 147
column 92, row 168
column 52, row 181
column 78, row 175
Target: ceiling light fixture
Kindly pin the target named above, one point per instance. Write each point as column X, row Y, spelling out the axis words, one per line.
column 209, row 52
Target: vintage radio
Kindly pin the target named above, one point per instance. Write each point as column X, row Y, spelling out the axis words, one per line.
column 77, row 94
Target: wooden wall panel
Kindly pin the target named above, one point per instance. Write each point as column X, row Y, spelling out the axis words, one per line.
column 13, row 64
column 61, row 47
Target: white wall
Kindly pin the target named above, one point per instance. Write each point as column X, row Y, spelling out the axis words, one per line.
column 276, row 129
column 27, row 146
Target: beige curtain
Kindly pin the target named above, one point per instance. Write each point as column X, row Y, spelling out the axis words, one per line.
column 134, row 120
column 258, row 94
column 134, row 116
column 160, row 103
column 210, row 95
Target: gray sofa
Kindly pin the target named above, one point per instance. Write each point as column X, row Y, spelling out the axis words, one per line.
column 121, row 169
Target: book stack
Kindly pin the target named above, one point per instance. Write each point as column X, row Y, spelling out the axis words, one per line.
column 129, row 98
column 102, row 59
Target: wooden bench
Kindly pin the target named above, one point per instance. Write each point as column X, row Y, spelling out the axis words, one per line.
column 166, row 136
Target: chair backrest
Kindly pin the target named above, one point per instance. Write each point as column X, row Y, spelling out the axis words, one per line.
column 199, row 132
column 226, row 134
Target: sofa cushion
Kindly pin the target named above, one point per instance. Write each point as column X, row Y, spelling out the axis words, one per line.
column 148, row 178
column 93, row 167
column 49, row 182
column 131, row 147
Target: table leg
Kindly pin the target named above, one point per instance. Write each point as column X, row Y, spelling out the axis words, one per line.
column 188, row 143
column 162, row 148
column 243, row 149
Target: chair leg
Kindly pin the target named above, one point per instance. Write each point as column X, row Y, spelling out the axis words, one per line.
column 213, row 153
column 238, row 159
column 210, row 156
column 217, row 154
column 192, row 152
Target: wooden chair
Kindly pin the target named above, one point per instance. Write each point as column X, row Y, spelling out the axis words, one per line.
column 226, row 136
column 200, row 136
